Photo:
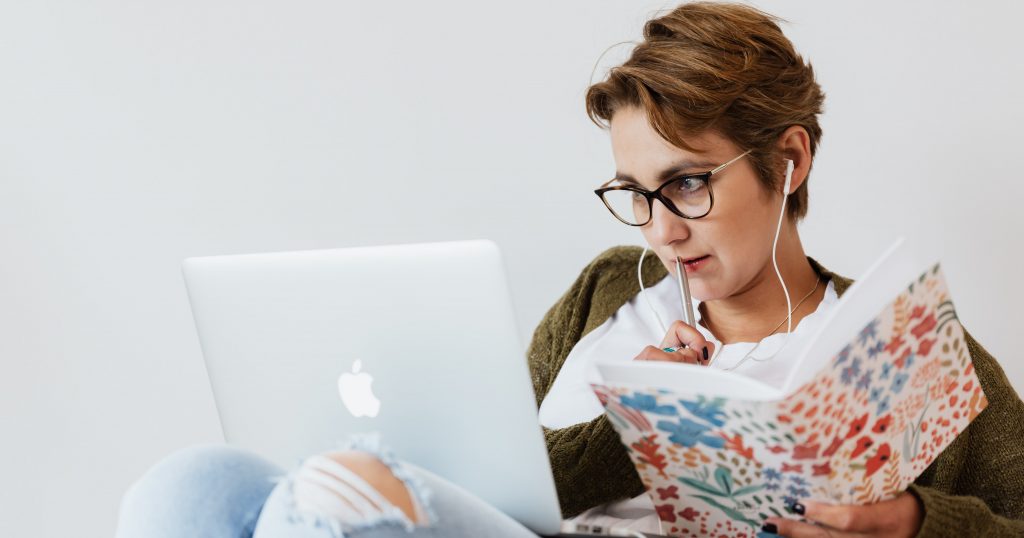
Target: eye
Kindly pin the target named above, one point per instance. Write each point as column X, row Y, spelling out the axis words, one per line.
column 687, row 185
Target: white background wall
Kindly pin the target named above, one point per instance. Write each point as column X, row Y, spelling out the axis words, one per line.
column 134, row 134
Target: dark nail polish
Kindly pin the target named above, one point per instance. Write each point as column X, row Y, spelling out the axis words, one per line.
column 770, row 527
column 705, row 352
column 798, row 508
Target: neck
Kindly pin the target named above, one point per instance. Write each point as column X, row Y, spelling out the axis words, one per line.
column 755, row 311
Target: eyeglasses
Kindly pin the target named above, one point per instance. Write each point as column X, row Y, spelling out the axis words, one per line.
column 688, row 196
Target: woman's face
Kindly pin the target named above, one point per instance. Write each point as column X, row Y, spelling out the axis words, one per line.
column 736, row 236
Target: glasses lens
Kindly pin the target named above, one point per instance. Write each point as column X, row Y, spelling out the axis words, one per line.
column 691, row 196
column 629, row 206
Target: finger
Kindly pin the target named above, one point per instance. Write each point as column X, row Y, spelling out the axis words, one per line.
column 846, row 517
column 680, row 334
column 898, row 516
column 688, row 355
column 791, row 528
column 685, row 355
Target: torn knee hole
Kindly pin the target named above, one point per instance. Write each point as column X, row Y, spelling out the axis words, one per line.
column 352, row 486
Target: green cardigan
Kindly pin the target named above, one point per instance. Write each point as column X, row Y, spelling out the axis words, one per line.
column 974, row 488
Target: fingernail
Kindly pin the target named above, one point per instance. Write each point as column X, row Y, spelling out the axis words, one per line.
column 770, row 527
column 796, row 507
column 705, row 352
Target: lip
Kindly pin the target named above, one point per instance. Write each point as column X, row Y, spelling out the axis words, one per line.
column 692, row 265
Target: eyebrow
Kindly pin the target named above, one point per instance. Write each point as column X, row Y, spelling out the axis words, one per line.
column 669, row 172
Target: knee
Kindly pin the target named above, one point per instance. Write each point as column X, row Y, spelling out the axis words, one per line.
column 355, row 486
column 210, row 479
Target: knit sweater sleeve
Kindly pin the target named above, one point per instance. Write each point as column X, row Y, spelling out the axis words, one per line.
column 961, row 515
column 976, row 486
column 588, row 461
column 590, row 466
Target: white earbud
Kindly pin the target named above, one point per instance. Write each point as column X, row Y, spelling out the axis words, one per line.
column 789, row 176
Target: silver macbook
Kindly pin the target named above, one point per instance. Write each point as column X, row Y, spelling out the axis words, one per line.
column 417, row 342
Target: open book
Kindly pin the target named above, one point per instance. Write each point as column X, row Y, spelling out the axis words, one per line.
column 881, row 389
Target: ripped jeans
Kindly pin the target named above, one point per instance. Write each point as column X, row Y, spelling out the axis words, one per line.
column 223, row 492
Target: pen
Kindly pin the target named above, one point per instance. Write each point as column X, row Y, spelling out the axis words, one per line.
column 684, row 291
column 684, row 296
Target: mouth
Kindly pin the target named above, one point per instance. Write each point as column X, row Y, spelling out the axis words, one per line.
column 693, row 264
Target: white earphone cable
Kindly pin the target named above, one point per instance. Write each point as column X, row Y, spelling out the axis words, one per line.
column 775, row 244
column 789, row 306
column 643, row 291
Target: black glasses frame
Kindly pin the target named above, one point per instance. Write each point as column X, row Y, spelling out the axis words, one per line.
column 704, row 177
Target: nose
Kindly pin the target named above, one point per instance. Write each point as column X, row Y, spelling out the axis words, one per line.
column 665, row 226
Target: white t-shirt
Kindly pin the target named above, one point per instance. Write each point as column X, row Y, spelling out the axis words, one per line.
column 622, row 336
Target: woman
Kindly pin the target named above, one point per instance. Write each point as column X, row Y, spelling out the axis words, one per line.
column 713, row 105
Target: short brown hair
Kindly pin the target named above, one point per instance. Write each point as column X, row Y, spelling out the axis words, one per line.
column 723, row 67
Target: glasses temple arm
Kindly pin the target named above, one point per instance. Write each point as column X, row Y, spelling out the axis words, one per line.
column 734, row 159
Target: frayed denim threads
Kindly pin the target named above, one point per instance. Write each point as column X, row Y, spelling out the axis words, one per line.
column 318, row 504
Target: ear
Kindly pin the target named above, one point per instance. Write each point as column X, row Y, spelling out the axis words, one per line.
column 795, row 144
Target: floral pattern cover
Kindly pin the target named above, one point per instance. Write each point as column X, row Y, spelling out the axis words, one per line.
column 859, row 432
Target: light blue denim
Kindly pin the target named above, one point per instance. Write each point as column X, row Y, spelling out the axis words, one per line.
column 217, row 491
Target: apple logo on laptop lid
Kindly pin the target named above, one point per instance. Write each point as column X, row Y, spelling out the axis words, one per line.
column 357, row 393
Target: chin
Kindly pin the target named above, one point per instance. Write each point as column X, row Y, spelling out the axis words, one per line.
column 701, row 293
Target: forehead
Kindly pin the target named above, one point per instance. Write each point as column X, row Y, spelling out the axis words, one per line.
column 642, row 155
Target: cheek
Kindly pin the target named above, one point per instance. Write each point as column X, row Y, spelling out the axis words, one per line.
column 742, row 244
column 744, row 229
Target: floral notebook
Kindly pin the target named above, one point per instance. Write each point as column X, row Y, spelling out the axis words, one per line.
column 858, row 429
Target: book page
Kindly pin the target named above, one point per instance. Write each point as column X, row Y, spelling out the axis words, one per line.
column 869, row 294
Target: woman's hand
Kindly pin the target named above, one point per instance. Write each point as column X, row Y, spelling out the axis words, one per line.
column 697, row 350
column 900, row 517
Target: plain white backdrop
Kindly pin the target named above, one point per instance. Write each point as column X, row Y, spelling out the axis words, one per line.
column 135, row 134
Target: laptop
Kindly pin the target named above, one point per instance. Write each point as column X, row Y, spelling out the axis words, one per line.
column 417, row 342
